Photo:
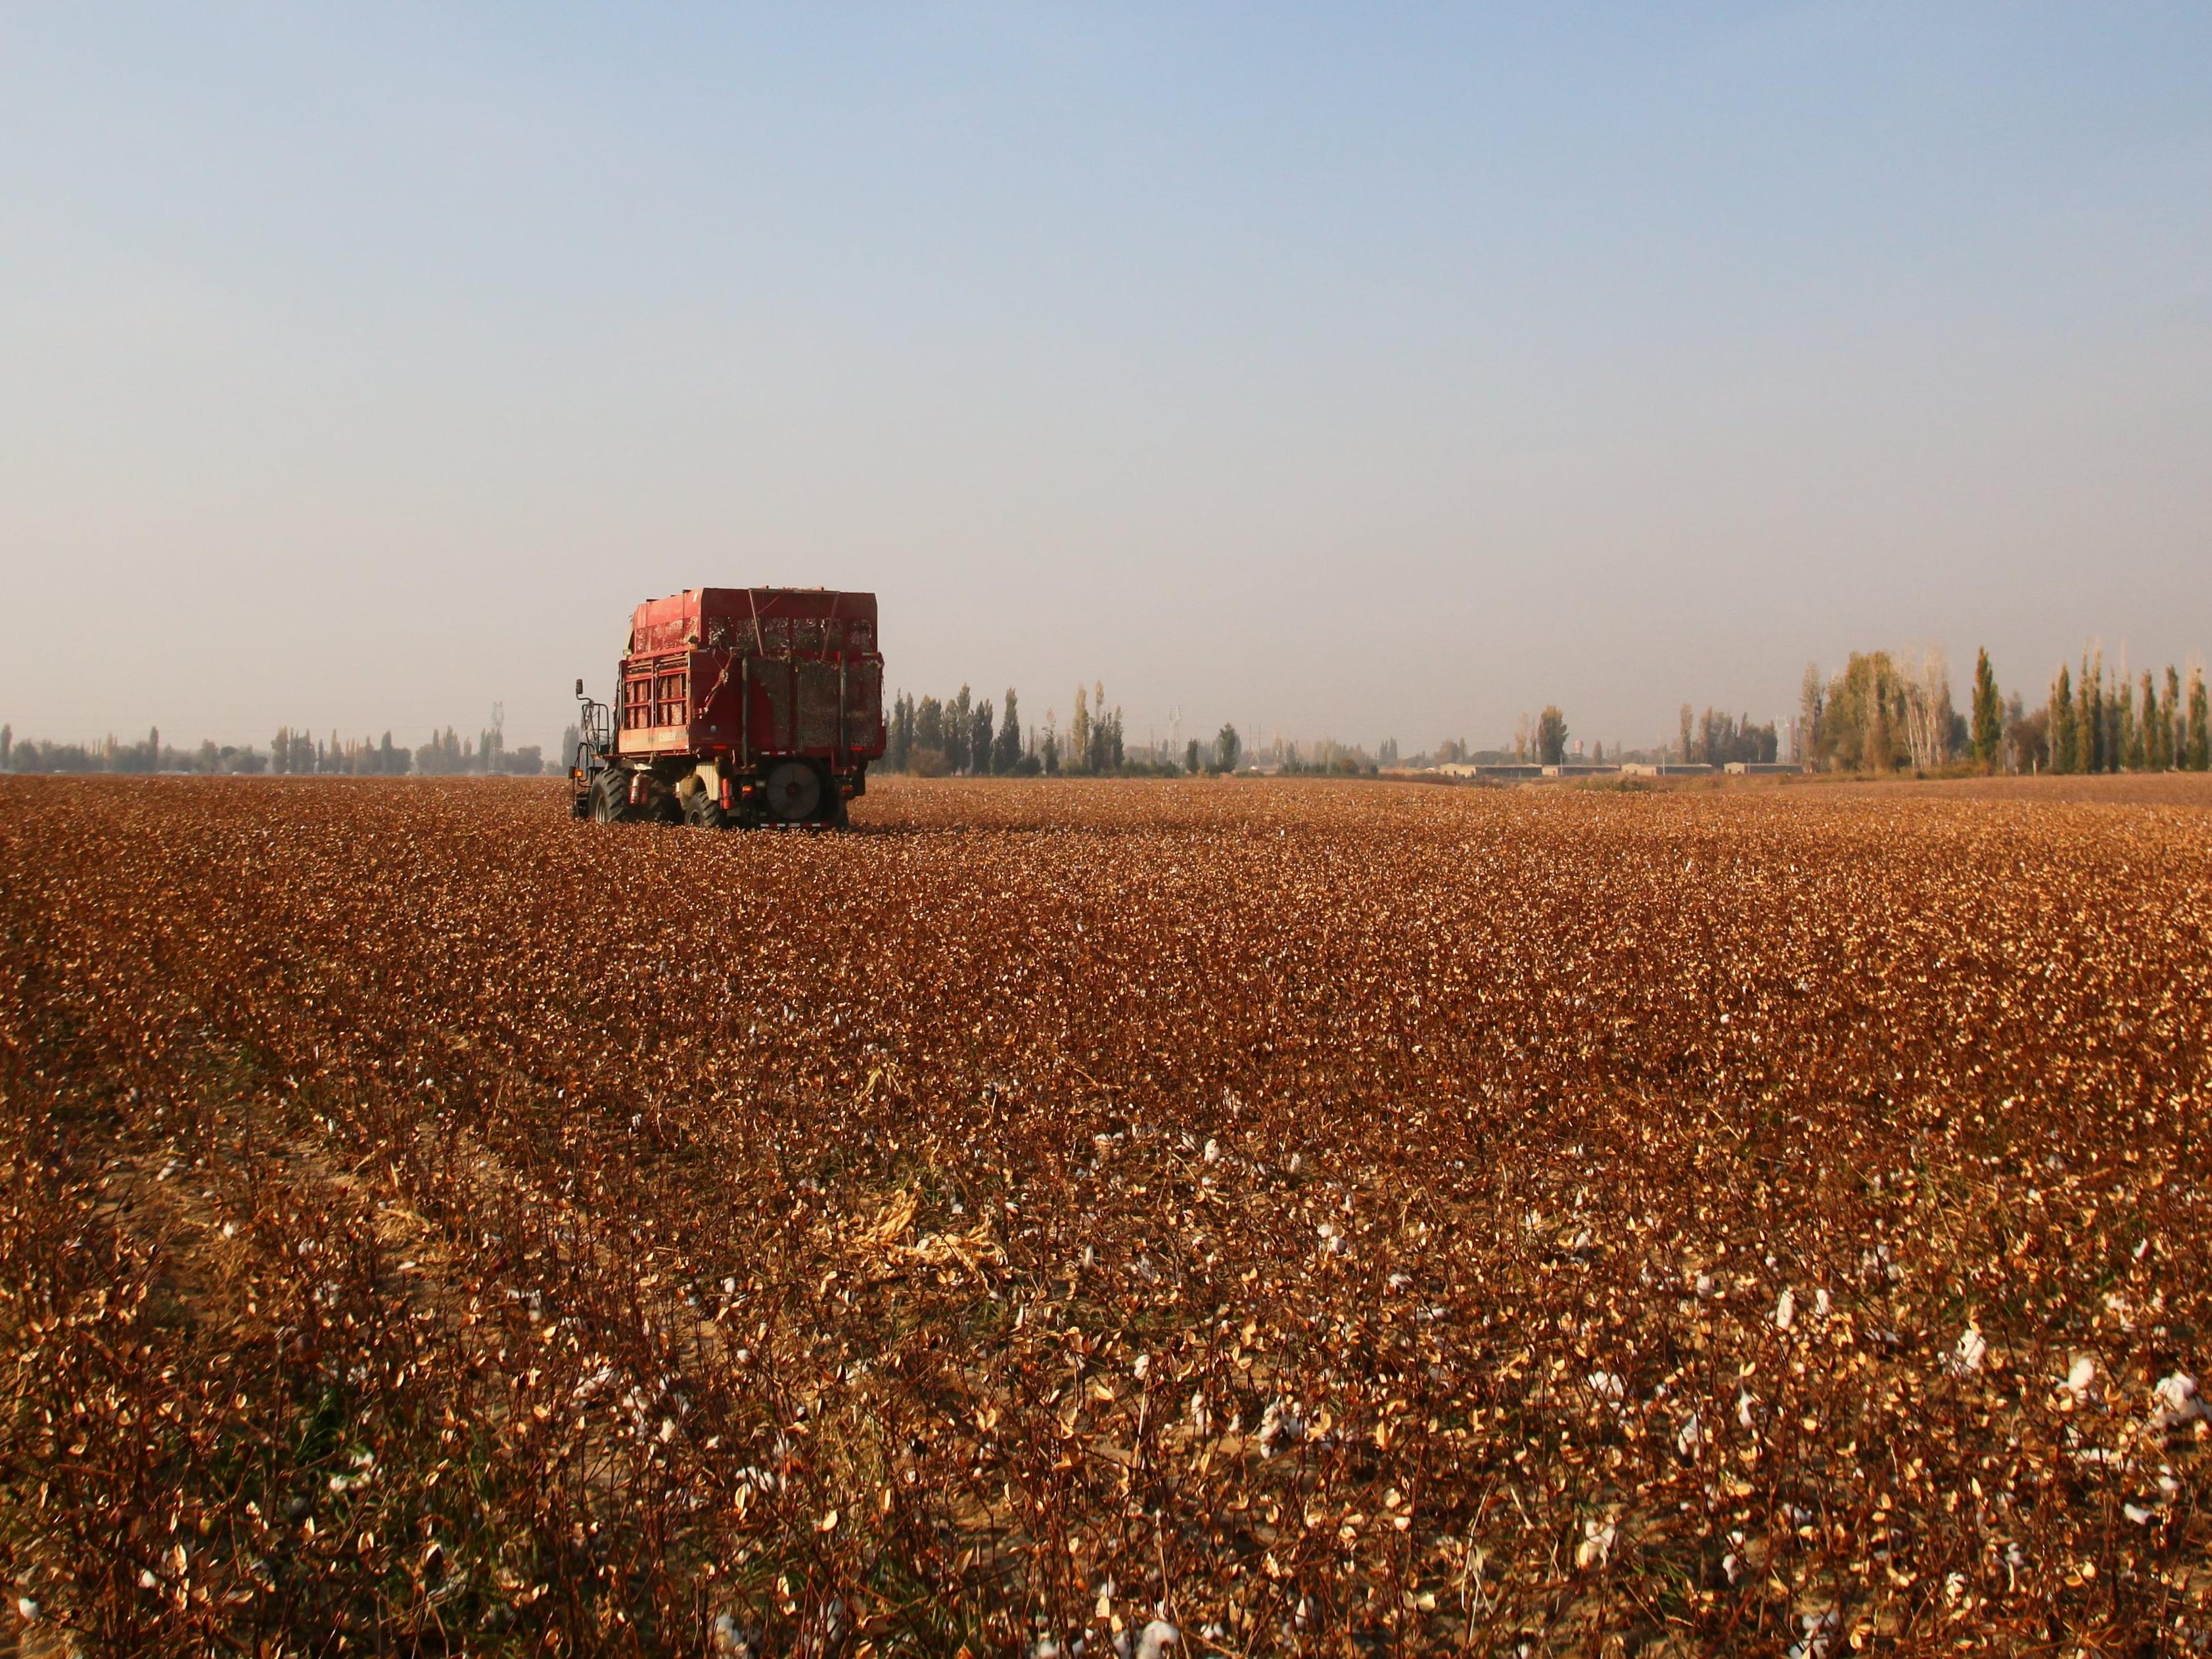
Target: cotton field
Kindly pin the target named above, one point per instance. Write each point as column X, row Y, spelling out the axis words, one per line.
column 1113, row 1219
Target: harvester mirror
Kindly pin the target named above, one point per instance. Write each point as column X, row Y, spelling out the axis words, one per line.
column 579, row 687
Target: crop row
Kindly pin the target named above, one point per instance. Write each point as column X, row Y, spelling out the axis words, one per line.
column 1304, row 1215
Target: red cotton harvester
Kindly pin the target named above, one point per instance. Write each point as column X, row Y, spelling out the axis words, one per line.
column 736, row 706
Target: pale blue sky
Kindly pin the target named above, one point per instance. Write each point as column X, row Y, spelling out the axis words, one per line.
column 1367, row 371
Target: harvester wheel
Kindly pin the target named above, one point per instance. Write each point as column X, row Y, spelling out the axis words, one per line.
column 611, row 797
column 794, row 790
column 704, row 812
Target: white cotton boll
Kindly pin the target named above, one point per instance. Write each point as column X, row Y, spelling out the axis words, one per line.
column 27, row 1609
column 1972, row 1348
column 1143, row 1365
column 1822, row 1305
column 1103, row 1607
column 2081, row 1378
column 1202, row 1419
column 1705, row 1284
column 1785, row 1311
column 1156, row 1639
column 1596, row 1547
column 2178, row 1402
column 1819, row 1635
column 1608, row 1390
column 1744, row 1402
column 1212, row 1151
column 1400, row 1281
column 2137, row 1513
column 1690, row 1439
column 1280, row 1426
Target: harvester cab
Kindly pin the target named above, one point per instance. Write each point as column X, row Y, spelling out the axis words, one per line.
column 595, row 744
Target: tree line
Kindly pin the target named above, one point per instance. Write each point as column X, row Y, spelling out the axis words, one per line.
column 1717, row 739
column 963, row 736
column 2109, row 724
column 291, row 752
column 960, row 735
column 1881, row 714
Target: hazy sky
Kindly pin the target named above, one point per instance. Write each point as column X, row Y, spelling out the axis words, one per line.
column 1360, row 370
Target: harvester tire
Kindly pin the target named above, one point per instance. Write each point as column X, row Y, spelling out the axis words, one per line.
column 611, row 797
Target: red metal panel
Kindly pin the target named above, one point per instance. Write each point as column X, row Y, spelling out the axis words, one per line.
column 742, row 672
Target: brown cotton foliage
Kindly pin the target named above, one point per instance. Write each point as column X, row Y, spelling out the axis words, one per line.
column 1327, row 1217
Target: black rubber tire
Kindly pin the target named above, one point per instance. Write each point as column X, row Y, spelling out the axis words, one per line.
column 705, row 812
column 611, row 797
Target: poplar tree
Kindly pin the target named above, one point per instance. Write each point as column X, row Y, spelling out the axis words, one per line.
column 2148, row 728
column 898, row 742
column 1007, row 753
column 959, row 713
column 2093, row 713
column 2127, row 738
column 2065, row 729
column 1812, row 704
column 928, row 734
column 1104, row 735
column 2176, row 718
column 1989, row 713
column 2197, row 749
column 981, row 754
